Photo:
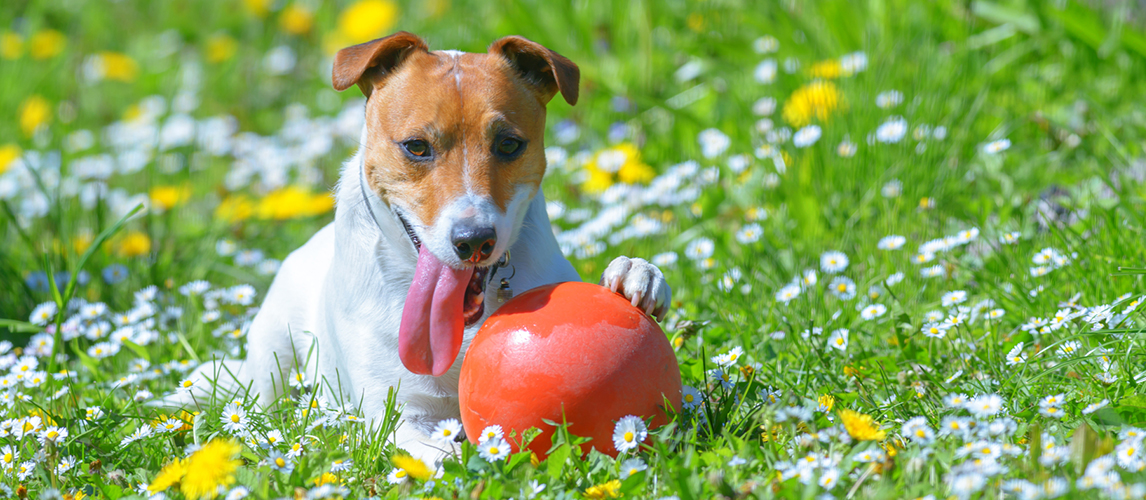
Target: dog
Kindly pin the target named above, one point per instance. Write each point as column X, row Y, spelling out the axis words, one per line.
column 442, row 195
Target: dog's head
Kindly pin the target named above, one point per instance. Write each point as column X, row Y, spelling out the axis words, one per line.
column 454, row 146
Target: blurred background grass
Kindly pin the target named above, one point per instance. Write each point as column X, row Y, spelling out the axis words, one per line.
column 1056, row 78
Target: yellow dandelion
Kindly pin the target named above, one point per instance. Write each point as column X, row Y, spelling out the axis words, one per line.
column 235, row 208
column 9, row 153
column 210, row 467
column 296, row 19
column 861, row 426
column 35, row 112
column 293, row 202
column 45, row 44
column 134, row 244
column 695, row 22
column 80, row 243
column 413, row 467
column 827, row 401
column 220, row 48
column 621, row 163
column 171, row 474
column 890, row 448
column 326, row 478
column 610, row 489
column 366, row 20
column 436, row 8
column 166, row 197
column 816, row 100
column 11, row 45
column 257, row 7
column 118, row 66
column 828, row 70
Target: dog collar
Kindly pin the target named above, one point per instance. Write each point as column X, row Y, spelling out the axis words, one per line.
column 365, row 197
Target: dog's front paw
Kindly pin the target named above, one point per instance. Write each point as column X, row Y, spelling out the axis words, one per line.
column 641, row 282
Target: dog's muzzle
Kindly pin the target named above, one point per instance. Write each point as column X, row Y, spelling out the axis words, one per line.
column 465, row 241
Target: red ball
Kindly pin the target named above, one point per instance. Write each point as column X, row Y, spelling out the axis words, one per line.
column 573, row 346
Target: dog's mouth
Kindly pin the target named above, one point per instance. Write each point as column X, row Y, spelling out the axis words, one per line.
column 473, row 305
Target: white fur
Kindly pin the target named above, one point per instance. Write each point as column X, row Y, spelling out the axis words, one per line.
column 337, row 301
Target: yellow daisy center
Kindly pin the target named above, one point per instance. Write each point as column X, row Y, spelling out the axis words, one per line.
column 629, row 437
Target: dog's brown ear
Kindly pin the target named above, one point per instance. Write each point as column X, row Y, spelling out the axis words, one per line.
column 545, row 69
column 367, row 63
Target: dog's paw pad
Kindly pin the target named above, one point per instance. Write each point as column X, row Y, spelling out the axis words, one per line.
column 639, row 281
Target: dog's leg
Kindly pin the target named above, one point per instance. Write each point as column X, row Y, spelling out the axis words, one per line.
column 641, row 282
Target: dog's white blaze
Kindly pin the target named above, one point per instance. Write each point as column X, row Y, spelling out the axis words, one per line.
column 456, row 56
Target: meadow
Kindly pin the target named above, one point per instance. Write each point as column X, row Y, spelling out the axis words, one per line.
column 905, row 240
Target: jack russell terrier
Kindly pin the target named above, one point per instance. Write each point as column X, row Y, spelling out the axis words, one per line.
column 441, row 198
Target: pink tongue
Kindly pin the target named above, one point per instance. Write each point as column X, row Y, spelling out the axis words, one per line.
column 430, row 335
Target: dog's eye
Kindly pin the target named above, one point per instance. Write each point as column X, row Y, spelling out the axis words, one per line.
column 417, row 147
column 508, row 146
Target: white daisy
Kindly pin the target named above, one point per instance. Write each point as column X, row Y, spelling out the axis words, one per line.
column 787, row 293
column 873, row 311
column 234, row 419
column 839, row 339
column 833, row 262
column 892, row 130
column 843, row 288
column 729, row 358
column 985, row 405
column 53, row 434
column 280, row 462
column 1016, row 355
column 996, row 147
column 43, row 313
column 690, row 397
column 806, row 136
column 632, row 466
column 629, row 433
column 954, row 297
column 491, row 432
column 893, row 242
column 447, row 430
column 494, row 450
column 299, row 380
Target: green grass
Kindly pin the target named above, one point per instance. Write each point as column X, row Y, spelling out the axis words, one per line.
column 1060, row 80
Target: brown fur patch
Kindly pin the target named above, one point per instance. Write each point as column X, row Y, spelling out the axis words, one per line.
column 461, row 106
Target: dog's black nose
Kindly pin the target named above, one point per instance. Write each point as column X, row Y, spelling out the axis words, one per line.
column 473, row 243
